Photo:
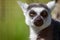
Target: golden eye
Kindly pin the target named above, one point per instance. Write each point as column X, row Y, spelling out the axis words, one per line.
column 32, row 14
column 44, row 14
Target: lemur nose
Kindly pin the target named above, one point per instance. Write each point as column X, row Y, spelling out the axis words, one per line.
column 38, row 21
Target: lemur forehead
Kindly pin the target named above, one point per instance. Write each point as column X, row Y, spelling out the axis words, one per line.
column 38, row 9
column 37, row 5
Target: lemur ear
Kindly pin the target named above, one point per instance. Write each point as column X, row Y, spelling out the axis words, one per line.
column 51, row 4
column 23, row 5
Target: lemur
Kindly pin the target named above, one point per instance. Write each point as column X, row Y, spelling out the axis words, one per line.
column 38, row 18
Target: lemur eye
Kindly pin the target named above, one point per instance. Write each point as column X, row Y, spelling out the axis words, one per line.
column 32, row 13
column 44, row 14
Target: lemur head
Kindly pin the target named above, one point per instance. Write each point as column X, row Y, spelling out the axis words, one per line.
column 37, row 15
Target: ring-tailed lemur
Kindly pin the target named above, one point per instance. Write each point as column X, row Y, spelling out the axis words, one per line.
column 38, row 18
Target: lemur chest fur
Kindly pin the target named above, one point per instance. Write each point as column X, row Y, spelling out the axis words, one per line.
column 52, row 32
column 46, row 34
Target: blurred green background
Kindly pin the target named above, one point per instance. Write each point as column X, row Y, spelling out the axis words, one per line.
column 12, row 24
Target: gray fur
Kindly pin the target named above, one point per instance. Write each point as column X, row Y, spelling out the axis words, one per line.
column 37, row 5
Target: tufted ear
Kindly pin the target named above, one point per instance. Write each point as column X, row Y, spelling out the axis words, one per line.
column 23, row 6
column 51, row 5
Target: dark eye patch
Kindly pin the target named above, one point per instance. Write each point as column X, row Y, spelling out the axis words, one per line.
column 32, row 13
column 44, row 14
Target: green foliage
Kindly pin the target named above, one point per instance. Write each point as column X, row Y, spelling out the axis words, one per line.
column 37, row 1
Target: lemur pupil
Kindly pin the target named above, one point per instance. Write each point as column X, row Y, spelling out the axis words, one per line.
column 44, row 14
column 32, row 13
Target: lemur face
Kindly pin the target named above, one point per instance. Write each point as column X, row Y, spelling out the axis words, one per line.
column 37, row 15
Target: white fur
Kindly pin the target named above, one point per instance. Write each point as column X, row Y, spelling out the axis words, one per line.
column 33, row 29
column 51, row 4
column 33, row 35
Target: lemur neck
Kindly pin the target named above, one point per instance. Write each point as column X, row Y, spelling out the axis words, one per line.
column 36, row 30
column 36, row 34
column 33, row 35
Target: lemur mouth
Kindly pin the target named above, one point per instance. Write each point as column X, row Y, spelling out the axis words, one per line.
column 38, row 23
